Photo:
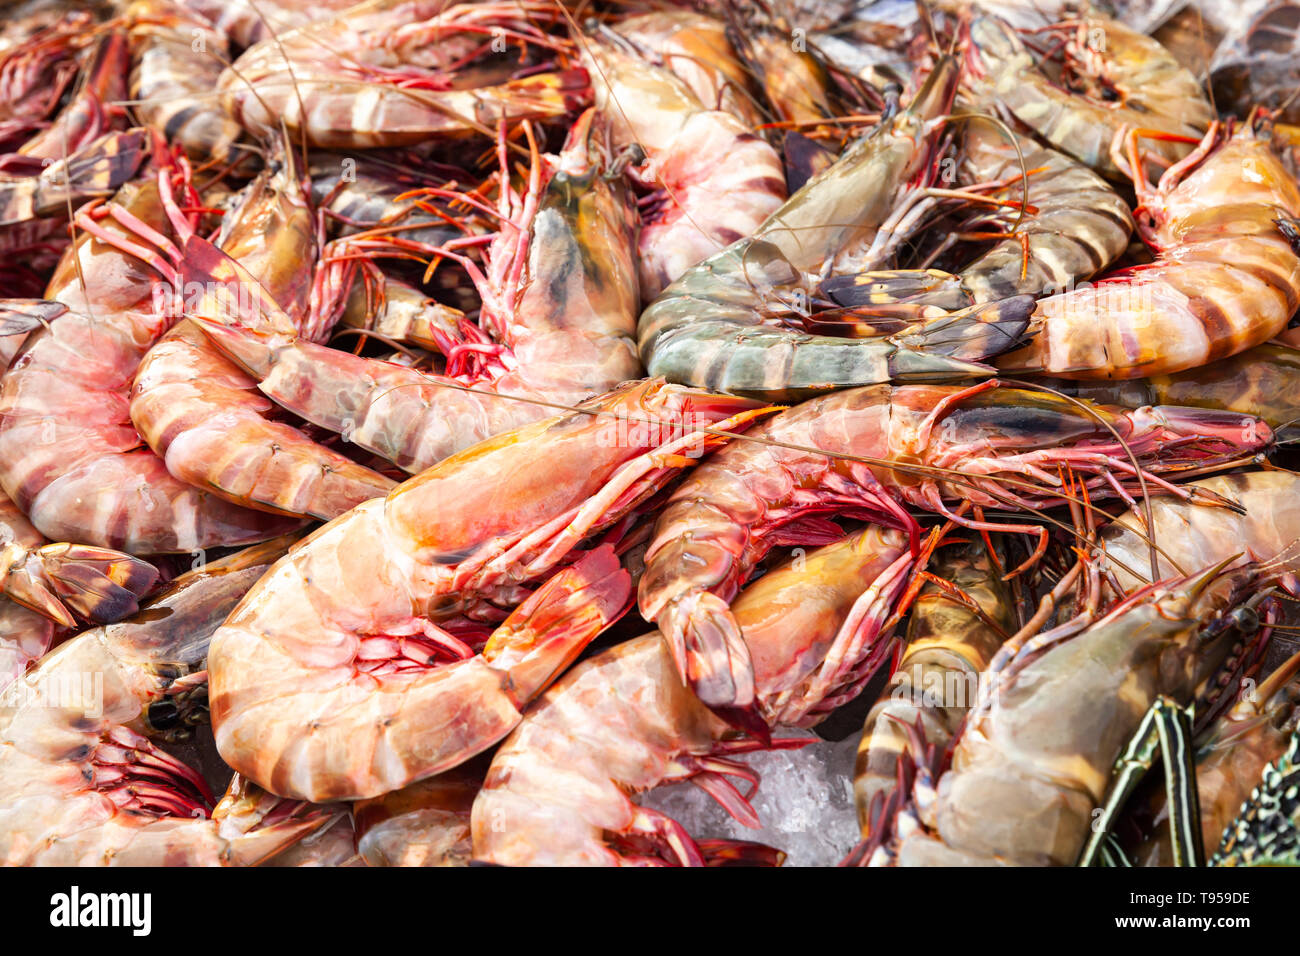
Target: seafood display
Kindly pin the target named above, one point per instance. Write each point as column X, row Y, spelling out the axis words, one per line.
column 437, row 433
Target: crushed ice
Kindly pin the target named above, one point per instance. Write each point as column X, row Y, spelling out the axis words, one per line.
column 805, row 802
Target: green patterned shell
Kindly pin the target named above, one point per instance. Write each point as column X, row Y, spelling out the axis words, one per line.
column 1267, row 830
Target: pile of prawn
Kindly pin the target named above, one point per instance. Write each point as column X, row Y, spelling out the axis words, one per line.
column 466, row 418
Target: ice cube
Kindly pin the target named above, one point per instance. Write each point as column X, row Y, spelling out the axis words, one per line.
column 805, row 802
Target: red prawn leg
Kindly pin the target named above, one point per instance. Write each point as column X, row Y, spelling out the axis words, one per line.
column 710, row 778
column 935, row 501
column 654, row 824
column 151, row 257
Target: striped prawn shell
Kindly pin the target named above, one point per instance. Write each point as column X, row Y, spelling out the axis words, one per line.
column 54, row 759
column 623, row 721
column 1258, row 382
column 1078, row 226
column 718, row 181
column 1193, row 536
column 1226, row 278
column 948, row 645
column 69, row 454
column 58, row 579
column 733, row 322
column 340, row 82
column 709, row 329
column 201, row 413
column 177, row 59
column 336, row 112
column 1153, row 90
column 95, row 170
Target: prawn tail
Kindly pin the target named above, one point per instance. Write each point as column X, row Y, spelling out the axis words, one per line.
column 20, row 316
column 902, row 293
column 95, row 584
column 974, row 334
column 1290, row 228
column 739, row 853
column 544, row 635
column 711, row 652
column 264, row 842
column 254, row 350
column 94, row 171
column 928, row 315
column 229, row 291
column 545, row 95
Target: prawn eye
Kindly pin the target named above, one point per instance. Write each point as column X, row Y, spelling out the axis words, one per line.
column 163, row 714
column 1245, row 619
